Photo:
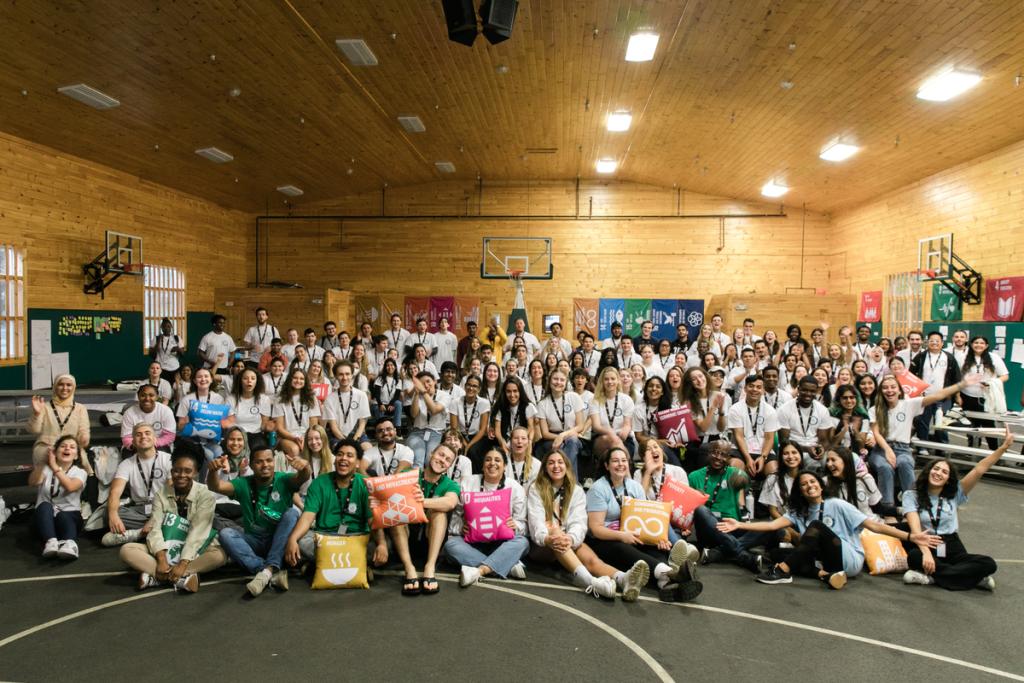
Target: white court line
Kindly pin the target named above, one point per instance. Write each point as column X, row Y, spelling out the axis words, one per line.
column 61, row 576
column 1009, row 561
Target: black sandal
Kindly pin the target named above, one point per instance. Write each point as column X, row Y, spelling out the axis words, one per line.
column 429, row 585
column 411, row 586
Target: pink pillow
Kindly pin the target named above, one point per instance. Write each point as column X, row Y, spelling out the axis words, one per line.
column 485, row 516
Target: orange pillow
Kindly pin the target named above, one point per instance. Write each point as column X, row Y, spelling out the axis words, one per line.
column 684, row 499
column 395, row 497
column 883, row 554
column 647, row 518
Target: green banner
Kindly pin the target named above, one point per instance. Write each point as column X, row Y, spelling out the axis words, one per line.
column 945, row 304
column 637, row 311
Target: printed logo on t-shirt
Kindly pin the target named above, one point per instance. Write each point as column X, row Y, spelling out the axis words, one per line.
column 275, row 496
column 901, row 417
column 828, row 521
column 253, row 410
column 156, row 426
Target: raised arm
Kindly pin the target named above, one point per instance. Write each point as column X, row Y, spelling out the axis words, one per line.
column 974, row 476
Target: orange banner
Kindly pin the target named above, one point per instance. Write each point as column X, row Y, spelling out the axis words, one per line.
column 585, row 315
column 467, row 308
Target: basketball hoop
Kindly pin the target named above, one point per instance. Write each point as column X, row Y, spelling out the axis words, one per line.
column 133, row 268
column 514, row 274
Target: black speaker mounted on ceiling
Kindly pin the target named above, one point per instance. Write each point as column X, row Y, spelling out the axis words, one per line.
column 460, row 17
column 498, row 17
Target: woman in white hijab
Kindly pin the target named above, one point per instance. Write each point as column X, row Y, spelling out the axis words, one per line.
column 58, row 417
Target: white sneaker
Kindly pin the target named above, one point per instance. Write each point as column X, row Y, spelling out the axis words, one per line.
column 683, row 555
column 468, row 576
column 188, row 583
column 602, row 587
column 919, row 578
column 67, row 550
column 636, row 578
column 50, row 548
column 279, row 580
column 111, row 539
column 987, row 584
column 259, row 582
column 518, row 571
column 146, row 581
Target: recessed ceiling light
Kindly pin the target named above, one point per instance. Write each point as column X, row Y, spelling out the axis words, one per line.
column 948, row 85
column 91, row 96
column 215, row 155
column 356, row 51
column 641, row 47
column 412, row 124
column 773, row 189
column 619, row 121
column 289, row 190
column 445, row 166
column 838, row 151
column 606, row 165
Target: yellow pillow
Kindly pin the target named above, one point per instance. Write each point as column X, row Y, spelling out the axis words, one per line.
column 883, row 554
column 340, row 562
column 647, row 518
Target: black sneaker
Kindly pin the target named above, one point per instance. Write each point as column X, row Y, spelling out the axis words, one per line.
column 710, row 556
column 680, row 592
column 774, row 575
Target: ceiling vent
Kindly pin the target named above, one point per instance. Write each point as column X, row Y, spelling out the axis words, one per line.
column 217, row 156
column 356, row 51
column 290, row 190
column 91, row 96
column 445, row 166
column 412, row 124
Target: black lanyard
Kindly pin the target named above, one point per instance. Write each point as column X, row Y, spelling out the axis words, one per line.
column 254, row 496
column 422, row 338
column 395, row 336
column 586, row 359
column 520, row 475
column 559, row 410
column 656, row 483
column 810, row 416
column 513, row 421
column 754, row 418
column 345, row 411
column 387, row 388
column 54, row 485
column 276, row 384
column 56, row 415
column 618, row 496
column 932, row 365
column 300, row 413
column 343, row 504
column 665, row 360
column 652, row 426
column 390, row 466
column 611, row 415
column 533, row 392
column 713, row 496
column 556, row 505
column 377, row 361
column 467, row 418
column 936, row 516
column 181, row 502
column 428, row 488
column 262, row 335
column 165, row 348
column 147, row 484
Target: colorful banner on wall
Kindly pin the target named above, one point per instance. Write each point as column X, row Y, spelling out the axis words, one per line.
column 945, row 304
column 466, row 309
column 585, row 315
column 416, row 307
column 368, row 310
column 1004, row 299
column 610, row 311
column 664, row 313
column 637, row 311
column 870, row 306
column 441, row 307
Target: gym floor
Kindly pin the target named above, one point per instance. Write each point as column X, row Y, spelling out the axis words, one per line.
column 85, row 620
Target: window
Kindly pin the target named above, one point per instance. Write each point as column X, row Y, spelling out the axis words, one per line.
column 904, row 303
column 12, row 305
column 164, row 293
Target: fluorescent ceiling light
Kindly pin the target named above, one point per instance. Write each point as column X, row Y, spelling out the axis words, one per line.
column 641, row 47
column 838, row 152
column 773, row 189
column 412, row 124
column 948, row 85
column 445, row 166
column 91, row 96
column 619, row 121
column 607, row 165
column 217, row 156
column 289, row 190
column 356, row 51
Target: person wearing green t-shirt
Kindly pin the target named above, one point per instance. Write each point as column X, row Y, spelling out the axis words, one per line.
column 439, row 496
column 265, row 498
column 723, row 485
column 337, row 503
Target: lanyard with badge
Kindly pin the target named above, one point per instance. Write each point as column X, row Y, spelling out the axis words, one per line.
column 810, row 419
column 467, row 418
column 520, row 474
column 147, row 484
column 612, row 413
column 345, row 505
column 755, row 419
column 556, row 505
column 346, row 411
column 262, row 335
column 713, row 496
column 559, row 411
column 391, row 465
column 300, row 413
column 936, row 519
column 54, row 486
column 56, row 416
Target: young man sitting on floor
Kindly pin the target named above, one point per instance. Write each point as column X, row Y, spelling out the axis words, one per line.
column 143, row 474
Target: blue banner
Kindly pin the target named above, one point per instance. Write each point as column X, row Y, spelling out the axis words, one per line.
column 665, row 316
column 691, row 312
column 611, row 310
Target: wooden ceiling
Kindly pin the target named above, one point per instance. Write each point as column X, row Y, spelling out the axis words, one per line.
column 709, row 111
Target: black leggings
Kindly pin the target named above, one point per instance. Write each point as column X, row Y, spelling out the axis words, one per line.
column 622, row 556
column 818, row 543
column 959, row 570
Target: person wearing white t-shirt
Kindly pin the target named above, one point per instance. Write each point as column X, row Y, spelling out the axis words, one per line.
column 649, row 361
column 470, row 416
column 654, row 472
column 397, row 335
column 992, row 369
column 167, row 349
column 734, row 381
column 939, row 369
column 774, row 396
column 201, row 393
column 216, row 346
column 511, row 410
column 149, row 411
column 420, row 362
column 347, row 409
column 258, row 337
column 556, row 344
column 446, row 344
column 447, row 383
column 291, row 342
column 295, row 410
column 611, row 415
column 959, row 348
column 421, row 336
column 143, row 474
column 57, row 518
column 626, row 356
column 613, row 341
column 273, row 379
column 388, row 456
column 591, row 357
column 366, row 335
column 251, row 406
column 862, row 347
column 560, row 420
column 718, row 334
column 313, row 350
column 892, row 422
column 519, row 333
column 164, row 392
column 915, row 344
column 807, row 423
column 753, row 424
column 429, row 410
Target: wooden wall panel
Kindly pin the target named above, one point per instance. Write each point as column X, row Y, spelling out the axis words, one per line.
column 298, row 308
column 58, row 206
column 981, row 203
column 777, row 312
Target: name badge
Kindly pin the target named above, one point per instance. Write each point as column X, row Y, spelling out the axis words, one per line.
column 342, row 529
column 940, row 551
column 718, row 515
column 148, row 508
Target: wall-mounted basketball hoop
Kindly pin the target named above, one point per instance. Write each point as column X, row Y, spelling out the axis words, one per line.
column 122, row 255
column 937, row 262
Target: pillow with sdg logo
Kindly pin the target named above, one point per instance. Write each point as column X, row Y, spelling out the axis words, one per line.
column 393, row 500
column 485, row 514
column 883, row 554
column 340, row 562
column 684, row 499
column 649, row 519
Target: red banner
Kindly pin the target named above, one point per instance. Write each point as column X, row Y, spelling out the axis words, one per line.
column 416, row 307
column 441, row 307
column 585, row 315
column 1004, row 299
column 870, row 307
column 467, row 308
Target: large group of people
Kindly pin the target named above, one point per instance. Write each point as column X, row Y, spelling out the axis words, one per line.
column 797, row 445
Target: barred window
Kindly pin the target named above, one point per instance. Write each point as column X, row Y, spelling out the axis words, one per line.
column 12, row 305
column 904, row 303
column 164, row 293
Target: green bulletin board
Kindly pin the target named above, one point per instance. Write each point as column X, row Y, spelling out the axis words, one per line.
column 101, row 345
column 1013, row 334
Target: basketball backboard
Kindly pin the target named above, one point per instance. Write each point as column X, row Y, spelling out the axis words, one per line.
column 935, row 258
column 530, row 256
column 122, row 250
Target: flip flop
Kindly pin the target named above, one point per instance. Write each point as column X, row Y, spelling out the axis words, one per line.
column 425, row 584
column 411, row 586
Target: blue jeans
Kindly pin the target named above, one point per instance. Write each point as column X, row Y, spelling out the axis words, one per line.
column 923, row 422
column 503, row 554
column 64, row 526
column 422, row 442
column 734, row 546
column 884, row 472
column 254, row 551
column 395, row 415
column 571, row 447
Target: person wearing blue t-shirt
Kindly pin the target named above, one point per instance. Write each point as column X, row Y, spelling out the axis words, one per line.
column 932, row 504
column 830, row 547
